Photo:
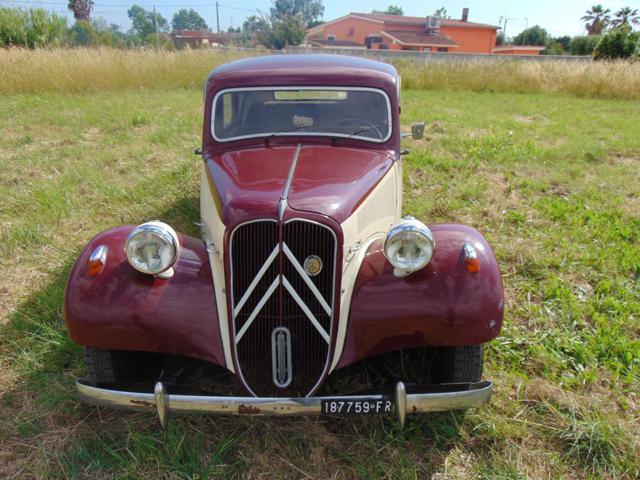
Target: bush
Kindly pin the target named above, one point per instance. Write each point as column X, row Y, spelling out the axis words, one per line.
column 33, row 27
column 161, row 40
column 617, row 43
column 83, row 34
column 554, row 48
column 583, row 45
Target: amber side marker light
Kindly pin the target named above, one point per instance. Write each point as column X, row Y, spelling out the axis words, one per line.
column 97, row 260
column 471, row 261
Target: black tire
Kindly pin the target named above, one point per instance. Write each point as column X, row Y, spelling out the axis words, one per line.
column 118, row 366
column 457, row 364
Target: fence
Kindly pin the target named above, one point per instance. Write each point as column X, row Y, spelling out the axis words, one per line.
column 387, row 55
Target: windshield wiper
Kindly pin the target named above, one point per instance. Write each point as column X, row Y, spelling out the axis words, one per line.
column 289, row 129
column 357, row 132
column 362, row 130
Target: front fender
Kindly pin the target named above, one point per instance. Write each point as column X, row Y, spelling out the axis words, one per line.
column 124, row 309
column 440, row 305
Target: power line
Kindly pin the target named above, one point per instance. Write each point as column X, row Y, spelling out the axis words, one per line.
column 200, row 5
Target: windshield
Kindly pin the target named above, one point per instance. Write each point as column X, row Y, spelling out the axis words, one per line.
column 361, row 113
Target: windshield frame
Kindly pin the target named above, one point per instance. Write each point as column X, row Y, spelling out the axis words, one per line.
column 298, row 133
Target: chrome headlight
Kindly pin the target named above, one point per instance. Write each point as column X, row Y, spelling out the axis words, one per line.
column 409, row 246
column 152, row 247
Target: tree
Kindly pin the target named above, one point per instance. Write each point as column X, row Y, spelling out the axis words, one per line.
column 255, row 30
column 391, row 10
column 535, row 35
column 441, row 13
column 597, row 19
column 83, row 34
column 189, row 19
column 81, row 9
column 306, row 11
column 285, row 26
column 144, row 21
column 285, row 32
column 557, row 46
column 625, row 18
column 109, row 34
column 564, row 41
column 618, row 43
column 583, row 45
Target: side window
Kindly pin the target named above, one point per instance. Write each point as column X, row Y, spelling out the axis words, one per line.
column 227, row 108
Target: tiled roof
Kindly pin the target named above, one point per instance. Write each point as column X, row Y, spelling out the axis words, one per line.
column 406, row 20
column 419, row 38
column 336, row 43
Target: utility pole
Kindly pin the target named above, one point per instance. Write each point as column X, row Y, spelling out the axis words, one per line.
column 217, row 19
column 504, row 30
column 155, row 24
column 526, row 25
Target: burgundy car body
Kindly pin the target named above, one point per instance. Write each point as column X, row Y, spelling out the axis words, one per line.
column 243, row 182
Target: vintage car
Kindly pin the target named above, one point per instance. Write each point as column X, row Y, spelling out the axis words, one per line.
column 308, row 292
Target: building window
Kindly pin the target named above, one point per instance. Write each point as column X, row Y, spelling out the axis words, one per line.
column 331, row 37
column 371, row 40
column 351, row 31
column 443, row 49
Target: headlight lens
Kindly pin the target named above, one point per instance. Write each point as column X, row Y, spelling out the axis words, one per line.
column 152, row 247
column 409, row 245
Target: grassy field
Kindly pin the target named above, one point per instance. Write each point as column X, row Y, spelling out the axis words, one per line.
column 552, row 180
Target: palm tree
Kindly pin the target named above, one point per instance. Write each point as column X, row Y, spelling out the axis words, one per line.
column 626, row 17
column 81, row 8
column 597, row 19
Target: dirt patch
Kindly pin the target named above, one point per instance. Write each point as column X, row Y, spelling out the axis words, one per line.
column 537, row 118
column 633, row 162
column 540, row 390
column 559, row 189
column 479, row 132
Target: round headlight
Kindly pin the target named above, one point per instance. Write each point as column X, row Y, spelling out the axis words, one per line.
column 409, row 245
column 152, row 247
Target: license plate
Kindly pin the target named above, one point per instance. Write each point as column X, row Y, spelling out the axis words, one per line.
column 359, row 406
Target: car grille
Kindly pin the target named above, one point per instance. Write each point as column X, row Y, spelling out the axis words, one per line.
column 270, row 295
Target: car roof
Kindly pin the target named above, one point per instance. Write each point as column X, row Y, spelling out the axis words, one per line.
column 310, row 69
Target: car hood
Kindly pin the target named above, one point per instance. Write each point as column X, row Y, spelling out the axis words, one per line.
column 328, row 180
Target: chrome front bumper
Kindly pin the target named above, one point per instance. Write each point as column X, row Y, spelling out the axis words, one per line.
column 474, row 395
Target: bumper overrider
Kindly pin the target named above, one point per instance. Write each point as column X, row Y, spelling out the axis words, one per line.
column 435, row 398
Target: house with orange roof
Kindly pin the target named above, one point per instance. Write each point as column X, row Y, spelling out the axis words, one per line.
column 399, row 32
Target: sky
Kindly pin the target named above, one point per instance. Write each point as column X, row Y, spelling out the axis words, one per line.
column 558, row 17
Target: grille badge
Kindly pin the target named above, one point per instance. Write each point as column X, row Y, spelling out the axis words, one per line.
column 312, row 265
column 281, row 364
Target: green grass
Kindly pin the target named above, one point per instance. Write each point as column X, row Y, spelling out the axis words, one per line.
column 551, row 180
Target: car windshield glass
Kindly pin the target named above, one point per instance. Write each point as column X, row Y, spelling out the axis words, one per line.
column 337, row 112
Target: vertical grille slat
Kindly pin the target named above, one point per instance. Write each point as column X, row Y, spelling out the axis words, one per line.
column 251, row 245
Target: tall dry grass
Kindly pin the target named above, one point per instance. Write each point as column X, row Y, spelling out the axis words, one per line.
column 87, row 69
column 79, row 70
column 618, row 79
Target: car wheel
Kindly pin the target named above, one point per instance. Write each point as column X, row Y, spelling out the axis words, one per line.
column 457, row 364
column 116, row 366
